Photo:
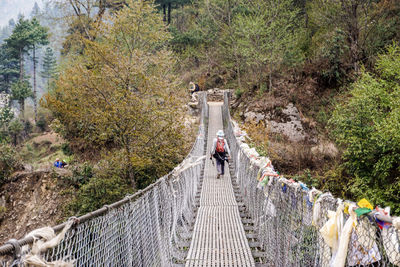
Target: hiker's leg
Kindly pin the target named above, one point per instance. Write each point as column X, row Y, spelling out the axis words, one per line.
column 222, row 167
column 218, row 166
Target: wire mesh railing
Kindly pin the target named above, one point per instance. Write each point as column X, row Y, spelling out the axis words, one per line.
column 291, row 221
column 144, row 229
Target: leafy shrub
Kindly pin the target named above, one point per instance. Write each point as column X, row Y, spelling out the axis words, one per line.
column 102, row 185
column 66, row 149
column 81, row 175
column 98, row 192
column 15, row 130
column 6, row 116
column 9, row 162
column 238, row 93
column 42, row 123
column 27, row 127
column 367, row 126
column 332, row 53
column 322, row 117
column 308, row 179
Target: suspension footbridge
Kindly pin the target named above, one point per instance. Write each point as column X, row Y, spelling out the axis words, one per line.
column 249, row 217
column 219, row 238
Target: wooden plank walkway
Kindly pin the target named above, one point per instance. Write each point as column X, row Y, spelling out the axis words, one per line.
column 218, row 238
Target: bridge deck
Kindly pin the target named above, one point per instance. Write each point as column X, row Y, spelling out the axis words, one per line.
column 219, row 238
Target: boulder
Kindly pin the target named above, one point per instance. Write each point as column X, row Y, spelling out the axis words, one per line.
column 253, row 117
column 290, row 126
column 292, row 112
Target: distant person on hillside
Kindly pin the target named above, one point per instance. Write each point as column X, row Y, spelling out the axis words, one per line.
column 194, row 88
column 63, row 163
column 58, row 163
column 220, row 151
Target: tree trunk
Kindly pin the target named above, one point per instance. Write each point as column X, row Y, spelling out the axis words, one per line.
column 129, row 170
column 238, row 73
column 169, row 13
column 353, row 34
column 270, row 81
column 34, row 84
column 21, row 65
column 131, row 173
column 164, row 13
column 238, row 68
column 22, row 108
column 21, row 78
column 15, row 139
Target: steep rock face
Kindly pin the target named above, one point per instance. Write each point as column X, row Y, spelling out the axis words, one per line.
column 289, row 125
column 31, row 200
column 286, row 121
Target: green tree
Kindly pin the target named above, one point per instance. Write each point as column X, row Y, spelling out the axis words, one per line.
column 21, row 90
column 49, row 66
column 218, row 27
column 122, row 94
column 20, row 41
column 83, row 18
column 360, row 20
column 39, row 36
column 367, row 126
column 9, row 162
column 27, row 35
column 15, row 129
column 6, row 116
column 9, row 69
column 266, row 36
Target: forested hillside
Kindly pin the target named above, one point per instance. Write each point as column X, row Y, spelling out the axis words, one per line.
column 316, row 84
column 113, row 107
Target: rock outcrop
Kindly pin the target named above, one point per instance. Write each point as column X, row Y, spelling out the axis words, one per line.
column 287, row 121
column 289, row 124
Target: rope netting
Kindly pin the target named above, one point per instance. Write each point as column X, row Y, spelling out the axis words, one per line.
column 149, row 228
column 291, row 221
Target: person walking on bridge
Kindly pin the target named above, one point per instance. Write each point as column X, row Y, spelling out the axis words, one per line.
column 220, row 151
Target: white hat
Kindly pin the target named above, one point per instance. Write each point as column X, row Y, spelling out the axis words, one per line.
column 220, row 133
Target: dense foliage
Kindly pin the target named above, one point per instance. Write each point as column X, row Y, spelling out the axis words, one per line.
column 9, row 162
column 255, row 44
column 367, row 125
column 24, row 37
column 98, row 186
column 131, row 97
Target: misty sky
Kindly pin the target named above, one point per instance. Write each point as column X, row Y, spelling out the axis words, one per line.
column 11, row 8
